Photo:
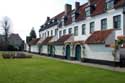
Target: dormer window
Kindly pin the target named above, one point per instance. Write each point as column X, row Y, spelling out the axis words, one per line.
column 59, row 23
column 88, row 11
column 48, row 23
column 75, row 15
column 53, row 20
column 64, row 19
column 110, row 4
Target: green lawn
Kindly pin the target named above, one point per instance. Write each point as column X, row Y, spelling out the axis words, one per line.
column 44, row 70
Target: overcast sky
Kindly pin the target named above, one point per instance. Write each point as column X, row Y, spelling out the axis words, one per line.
column 26, row 14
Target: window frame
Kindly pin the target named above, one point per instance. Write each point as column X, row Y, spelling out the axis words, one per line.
column 88, row 11
column 64, row 32
column 76, row 30
column 109, row 4
column 60, row 33
column 83, row 29
column 51, row 32
column 118, row 17
column 70, row 31
column 103, row 24
column 92, row 27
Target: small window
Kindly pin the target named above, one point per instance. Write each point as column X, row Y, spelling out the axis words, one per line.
column 48, row 33
column 104, row 24
column 56, row 31
column 117, row 22
column 88, row 11
column 92, row 26
column 70, row 30
column 45, row 34
column 76, row 30
column 83, row 29
column 51, row 32
column 109, row 4
column 60, row 33
column 64, row 31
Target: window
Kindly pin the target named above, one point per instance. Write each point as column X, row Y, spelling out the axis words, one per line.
column 87, row 11
column 48, row 33
column 83, row 29
column 117, row 22
column 70, row 30
column 76, row 30
column 45, row 34
column 60, row 33
column 56, row 31
column 103, row 24
column 109, row 4
column 51, row 32
column 64, row 31
column 92, row 25
column 73, row 17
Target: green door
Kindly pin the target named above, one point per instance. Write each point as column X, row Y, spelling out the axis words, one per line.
column 78, row 52
column 50, row 50
column 68, row 52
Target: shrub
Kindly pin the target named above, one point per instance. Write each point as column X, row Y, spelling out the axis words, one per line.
column 15, row 55
column 7, row 56
column 22, row 55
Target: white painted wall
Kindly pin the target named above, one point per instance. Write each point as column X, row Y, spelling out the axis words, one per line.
column 99, row 52
column 59, row 50
column 44, row 49
column 35, row 49
column 46, row 31
column 97, row 19
column 26, row 47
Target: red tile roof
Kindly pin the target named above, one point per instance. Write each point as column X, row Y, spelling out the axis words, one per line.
column 76, row 42
column 120, row 3
column 40, row 41
column 59, row 16
column 81, row 12
column 62, row 39
column 99, row 9
column 46, row 41
column 98, row 37
column 34, row 41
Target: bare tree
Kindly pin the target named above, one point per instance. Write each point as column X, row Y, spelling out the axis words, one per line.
column 6, row 26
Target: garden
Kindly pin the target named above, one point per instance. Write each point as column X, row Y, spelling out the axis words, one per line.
column 36, row 69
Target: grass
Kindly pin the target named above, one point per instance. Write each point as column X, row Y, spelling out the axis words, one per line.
column 44, row 70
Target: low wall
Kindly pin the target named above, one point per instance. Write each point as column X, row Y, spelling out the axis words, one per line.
column 34, row 49
column 44, row 49
column 98, row 52
column 59, row 50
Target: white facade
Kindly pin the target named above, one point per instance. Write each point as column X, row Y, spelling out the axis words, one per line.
column 59, row 50
column 34, row 49
column 99, row 52
column 88, row 51
column 44, row 49
column 97, row 19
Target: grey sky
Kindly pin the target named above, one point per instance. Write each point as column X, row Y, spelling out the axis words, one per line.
column 26, row 14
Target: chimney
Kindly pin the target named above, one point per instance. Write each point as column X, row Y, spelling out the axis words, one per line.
column 68, row 8
column 48, row 18
column 77, row 5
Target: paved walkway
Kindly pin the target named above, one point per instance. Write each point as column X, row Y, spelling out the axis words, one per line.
column 90, row 64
